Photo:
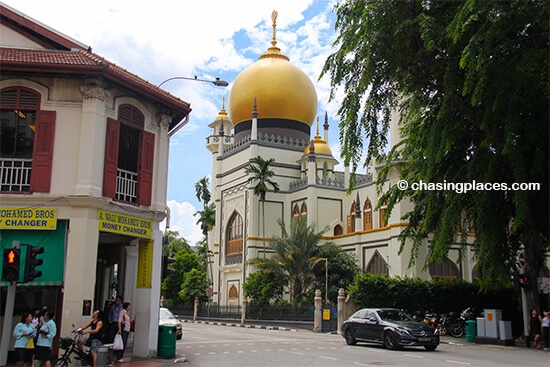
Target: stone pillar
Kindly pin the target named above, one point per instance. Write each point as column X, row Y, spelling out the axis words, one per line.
column 196, row 309
column 318, row 316
column 341, row 308
column 243, row 313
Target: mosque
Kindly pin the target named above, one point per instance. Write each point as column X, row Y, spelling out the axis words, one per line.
column 272, row 112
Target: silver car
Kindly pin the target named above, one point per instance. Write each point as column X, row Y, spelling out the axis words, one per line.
column 166, row 317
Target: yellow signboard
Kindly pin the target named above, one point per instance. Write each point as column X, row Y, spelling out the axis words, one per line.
column 145, row 264
column 326, row 314
column 28, row 218
column 124, row 224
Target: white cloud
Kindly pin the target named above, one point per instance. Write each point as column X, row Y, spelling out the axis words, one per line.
column 183, row 221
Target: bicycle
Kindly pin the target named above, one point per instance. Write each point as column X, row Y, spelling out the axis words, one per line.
column 70, row 345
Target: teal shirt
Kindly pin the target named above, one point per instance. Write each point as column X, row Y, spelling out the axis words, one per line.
column 47, row 340
column 20, row 329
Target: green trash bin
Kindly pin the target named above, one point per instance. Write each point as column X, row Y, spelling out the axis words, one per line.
column 471, row 330
column 167, row 340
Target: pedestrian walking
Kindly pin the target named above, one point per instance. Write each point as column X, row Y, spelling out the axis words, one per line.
column 546, row 330
column 123, row 329
column 47, row 332
column 535, row 321
column 24, row 340
column 112, row 317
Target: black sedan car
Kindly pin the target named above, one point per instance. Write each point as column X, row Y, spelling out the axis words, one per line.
column 390, row 327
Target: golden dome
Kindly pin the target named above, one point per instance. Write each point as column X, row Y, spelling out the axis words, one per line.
column 222, row 115
column 319, row 145
column 282, row 90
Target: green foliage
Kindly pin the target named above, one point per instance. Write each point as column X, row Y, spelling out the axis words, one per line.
column 175, row 244
column 295, row 257
column 171, row 286
column 263, row 287
column 470, row 81
column 414, row 294
column 194, row 285
column 342, row 269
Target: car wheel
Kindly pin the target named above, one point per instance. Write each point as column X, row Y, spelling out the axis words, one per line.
column 350, row 338
column 389, row 340
column 431, row 348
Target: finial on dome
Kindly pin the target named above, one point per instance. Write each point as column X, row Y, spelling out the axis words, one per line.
column 274, row 19
column 223, row 103
column 274, row 51
column 317, row 134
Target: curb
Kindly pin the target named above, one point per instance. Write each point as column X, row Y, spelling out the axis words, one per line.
column 266, row 327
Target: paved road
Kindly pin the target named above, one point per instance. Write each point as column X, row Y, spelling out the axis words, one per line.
column 205, row 345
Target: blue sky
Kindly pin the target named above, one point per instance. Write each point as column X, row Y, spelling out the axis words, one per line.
column 161, row 39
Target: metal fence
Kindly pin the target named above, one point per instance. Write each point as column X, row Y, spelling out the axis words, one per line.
column 264, row 313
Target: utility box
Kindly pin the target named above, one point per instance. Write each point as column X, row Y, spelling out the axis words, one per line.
column 505, row 330
column 481, row 326
column 492, row 318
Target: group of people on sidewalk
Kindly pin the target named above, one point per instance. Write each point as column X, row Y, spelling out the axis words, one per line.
column 99, row 334
column 33, row 338
column 539, row 325
column 35, row 332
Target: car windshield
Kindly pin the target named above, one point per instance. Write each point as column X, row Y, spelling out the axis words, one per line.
column 394, row 315
column 166, row 314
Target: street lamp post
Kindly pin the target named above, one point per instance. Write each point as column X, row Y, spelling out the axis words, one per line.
column 326, row 278
column 217, row 82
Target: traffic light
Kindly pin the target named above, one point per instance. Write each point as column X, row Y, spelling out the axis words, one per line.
column 31, row 262
column 525, row 281
column 165, row 262
column 514, row 277
column 10, row 269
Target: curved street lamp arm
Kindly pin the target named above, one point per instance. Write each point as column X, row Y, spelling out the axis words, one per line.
column 218, row 82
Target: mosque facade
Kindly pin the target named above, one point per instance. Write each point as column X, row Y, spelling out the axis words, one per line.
column 272, row 113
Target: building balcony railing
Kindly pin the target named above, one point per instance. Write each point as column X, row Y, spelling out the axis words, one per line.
column 15, row 175
column 126, row 186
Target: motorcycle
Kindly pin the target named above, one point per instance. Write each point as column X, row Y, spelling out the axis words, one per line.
column 457, row 328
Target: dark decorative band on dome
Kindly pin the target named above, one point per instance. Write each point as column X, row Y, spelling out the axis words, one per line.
column 273, row 123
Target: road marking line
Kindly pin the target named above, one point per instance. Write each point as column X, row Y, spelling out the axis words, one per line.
column 301, row 354
column 331, row 358
column 414, row 355
column 458, row 362
column 211, row 352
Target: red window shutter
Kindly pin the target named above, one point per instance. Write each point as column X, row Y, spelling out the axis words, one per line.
column 41, row 174
column 111, row 158
column 146, row 170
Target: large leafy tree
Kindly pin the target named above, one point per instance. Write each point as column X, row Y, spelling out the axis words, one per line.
column 342, row 269
column 260, row 175
column 172, row 284
column 263, row 287
column 295, row 257
column 469, row 80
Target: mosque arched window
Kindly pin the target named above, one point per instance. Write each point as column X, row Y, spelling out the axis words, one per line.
column 377, row 265
column 444, row 270
column 382, row 214
column 351, row 219
column 367, row 215
column 303, row 210
column 235, row 237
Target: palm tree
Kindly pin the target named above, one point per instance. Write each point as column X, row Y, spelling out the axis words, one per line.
column 295, row 257
column 202, row 191
column 261, row 176
column 206, row 217
column 174, row 244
